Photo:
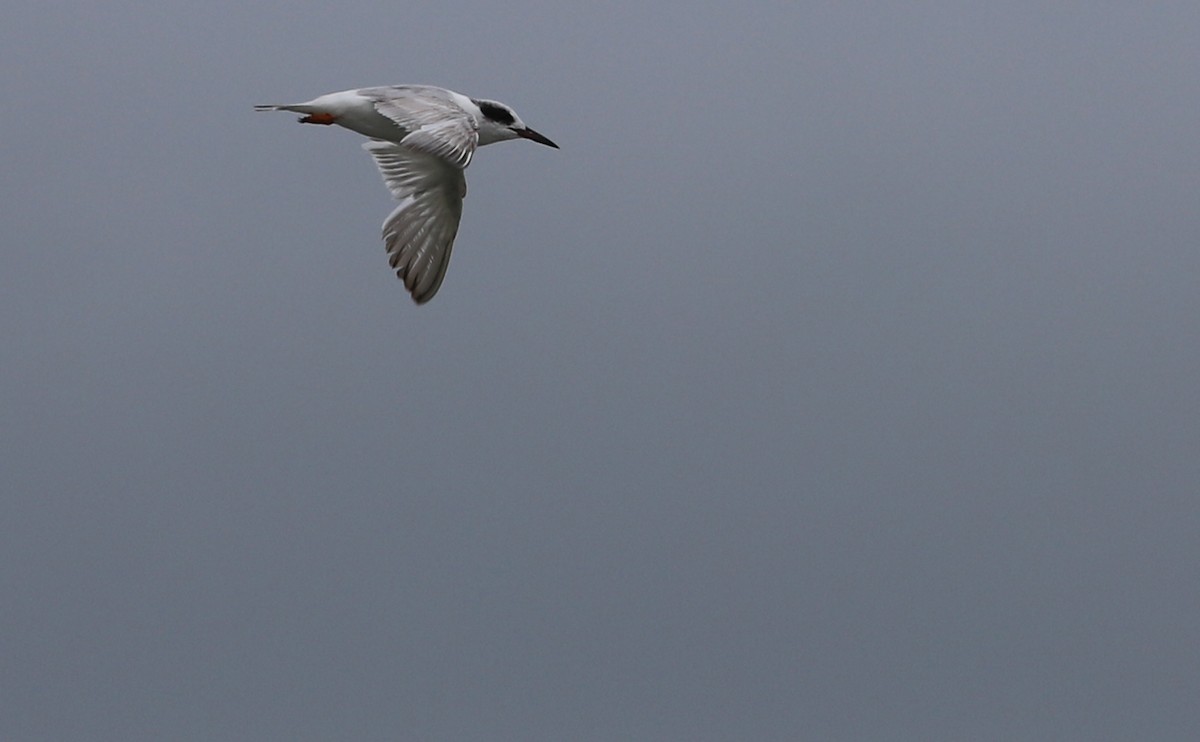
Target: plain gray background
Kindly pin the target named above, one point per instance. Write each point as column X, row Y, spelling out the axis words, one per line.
column 837, row 380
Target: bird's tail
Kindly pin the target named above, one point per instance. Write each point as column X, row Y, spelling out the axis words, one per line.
column 294, row 107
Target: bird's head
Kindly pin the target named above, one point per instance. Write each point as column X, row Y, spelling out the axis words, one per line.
column 500, row 122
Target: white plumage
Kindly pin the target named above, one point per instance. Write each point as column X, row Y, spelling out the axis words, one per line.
column 423, row 138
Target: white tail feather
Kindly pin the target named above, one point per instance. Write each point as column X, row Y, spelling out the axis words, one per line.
column 295, row 108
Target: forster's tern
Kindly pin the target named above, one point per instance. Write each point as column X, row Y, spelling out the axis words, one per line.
column 422, row 138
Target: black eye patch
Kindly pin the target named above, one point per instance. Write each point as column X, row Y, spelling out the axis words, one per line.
column 496, row 113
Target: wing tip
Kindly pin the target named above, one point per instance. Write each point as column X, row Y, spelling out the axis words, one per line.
column 419, row 296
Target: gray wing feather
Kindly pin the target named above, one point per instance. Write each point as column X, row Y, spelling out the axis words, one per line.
column 434, row 121
column 419, row 234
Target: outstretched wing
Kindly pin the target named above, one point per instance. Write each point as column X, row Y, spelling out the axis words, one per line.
column 435, row 122
column 420, row 233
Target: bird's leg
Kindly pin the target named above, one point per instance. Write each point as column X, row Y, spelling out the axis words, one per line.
column 318, row 118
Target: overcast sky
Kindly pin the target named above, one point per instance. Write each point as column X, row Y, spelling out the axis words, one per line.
column 837, row 380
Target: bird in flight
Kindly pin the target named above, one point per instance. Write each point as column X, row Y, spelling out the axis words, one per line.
column 422, row 139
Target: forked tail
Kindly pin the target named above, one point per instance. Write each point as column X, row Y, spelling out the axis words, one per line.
column 295, row 108
column 313, row 114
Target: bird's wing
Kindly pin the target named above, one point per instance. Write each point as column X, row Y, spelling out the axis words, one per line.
column 420, row 233
column 434, row 122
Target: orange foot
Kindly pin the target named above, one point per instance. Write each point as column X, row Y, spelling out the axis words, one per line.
column 318, row 118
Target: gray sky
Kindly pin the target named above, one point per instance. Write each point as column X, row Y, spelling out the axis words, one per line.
column 836, row 380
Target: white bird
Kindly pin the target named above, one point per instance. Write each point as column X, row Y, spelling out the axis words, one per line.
column 422, row 138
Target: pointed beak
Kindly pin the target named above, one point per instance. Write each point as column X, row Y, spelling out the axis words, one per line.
column 528, row 133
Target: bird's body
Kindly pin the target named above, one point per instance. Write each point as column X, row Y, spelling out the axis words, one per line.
column 422, row 138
